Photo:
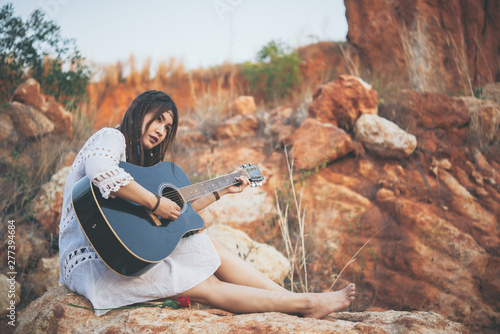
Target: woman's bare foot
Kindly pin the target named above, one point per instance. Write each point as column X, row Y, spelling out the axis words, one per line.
column 329, row 302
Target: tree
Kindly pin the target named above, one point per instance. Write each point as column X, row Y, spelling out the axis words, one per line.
column 35, row 48
column 277, row 72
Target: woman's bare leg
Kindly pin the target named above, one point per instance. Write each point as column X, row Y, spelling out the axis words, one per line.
column 244, row 299
column 235, row 270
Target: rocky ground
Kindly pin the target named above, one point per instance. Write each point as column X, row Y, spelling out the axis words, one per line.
column 401, row 198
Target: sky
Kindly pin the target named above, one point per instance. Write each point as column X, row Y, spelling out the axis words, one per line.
column 201, row 33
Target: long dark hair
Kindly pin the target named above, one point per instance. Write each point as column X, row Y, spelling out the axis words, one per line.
column 155, row 102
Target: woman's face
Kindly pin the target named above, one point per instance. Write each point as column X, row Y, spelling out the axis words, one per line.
column 157, row 131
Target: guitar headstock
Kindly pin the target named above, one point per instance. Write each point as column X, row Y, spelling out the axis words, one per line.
column 253, row 174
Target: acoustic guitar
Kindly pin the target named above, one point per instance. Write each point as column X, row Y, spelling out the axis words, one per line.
column 126, row 236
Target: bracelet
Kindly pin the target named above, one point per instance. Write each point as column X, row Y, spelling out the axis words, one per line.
column 216, row 194
column 158, row 197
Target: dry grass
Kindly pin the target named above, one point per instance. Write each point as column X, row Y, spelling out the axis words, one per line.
column 296, row 251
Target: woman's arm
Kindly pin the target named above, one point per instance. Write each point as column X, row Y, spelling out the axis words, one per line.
column 136, row 193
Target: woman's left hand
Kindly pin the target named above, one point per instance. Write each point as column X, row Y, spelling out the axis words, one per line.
column 238, row 188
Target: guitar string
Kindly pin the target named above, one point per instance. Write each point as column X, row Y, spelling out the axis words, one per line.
column 204, row 183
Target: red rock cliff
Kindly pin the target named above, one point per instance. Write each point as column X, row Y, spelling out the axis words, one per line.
column 430, row 45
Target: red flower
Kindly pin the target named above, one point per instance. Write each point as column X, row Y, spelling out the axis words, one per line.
column 184, row 302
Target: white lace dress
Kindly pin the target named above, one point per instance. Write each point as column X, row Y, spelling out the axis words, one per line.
column 193, row 260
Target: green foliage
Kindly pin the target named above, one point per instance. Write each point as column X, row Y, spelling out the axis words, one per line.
column 35, row 48
column 276, row 72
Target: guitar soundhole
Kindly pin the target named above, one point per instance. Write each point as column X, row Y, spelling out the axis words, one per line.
column 173, row 195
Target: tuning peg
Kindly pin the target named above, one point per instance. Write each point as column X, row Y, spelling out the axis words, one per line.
column 259, row 184
column 243, row 166
column 252, row 184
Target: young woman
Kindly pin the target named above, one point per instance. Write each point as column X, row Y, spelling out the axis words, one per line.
column 199, row 267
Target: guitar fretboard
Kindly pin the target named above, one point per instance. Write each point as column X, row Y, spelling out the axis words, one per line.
column 197, row 190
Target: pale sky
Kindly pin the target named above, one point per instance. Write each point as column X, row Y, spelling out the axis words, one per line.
column 201, row 33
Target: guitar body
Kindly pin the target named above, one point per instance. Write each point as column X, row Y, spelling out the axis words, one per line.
column 123, row 233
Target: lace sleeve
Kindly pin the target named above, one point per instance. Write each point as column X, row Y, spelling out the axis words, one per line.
column 102, row 158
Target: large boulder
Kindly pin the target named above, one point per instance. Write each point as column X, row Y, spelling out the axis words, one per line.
column 48, row 202
column 240, row 210
column 29, row 93
column 8, row 134
column 52, row 313
column 238, row 126
column 224, row 159
column 45, row 277
column 383, row 137
column 243, row 105
column 342, row 101
column 262, row 257
column 484, row 119
column 29, row 122
column 61, row 118
column 316, row 143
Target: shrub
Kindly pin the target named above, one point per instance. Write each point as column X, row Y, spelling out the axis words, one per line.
column 276, row 72
column 35, row 48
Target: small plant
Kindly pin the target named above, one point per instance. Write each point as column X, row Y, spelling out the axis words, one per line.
column 35, row 48
column 276, row 72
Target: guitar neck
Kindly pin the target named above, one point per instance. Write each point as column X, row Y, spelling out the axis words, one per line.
column 198, row 190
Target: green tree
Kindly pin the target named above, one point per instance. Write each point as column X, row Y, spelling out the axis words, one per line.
column 276, row 72
column 35, row 48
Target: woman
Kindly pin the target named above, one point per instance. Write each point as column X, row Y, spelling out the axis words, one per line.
column 199, row 267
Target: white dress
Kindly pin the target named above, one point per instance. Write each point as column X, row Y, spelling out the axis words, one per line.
column 193, row 260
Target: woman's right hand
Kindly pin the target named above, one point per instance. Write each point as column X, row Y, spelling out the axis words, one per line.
column 168, row 209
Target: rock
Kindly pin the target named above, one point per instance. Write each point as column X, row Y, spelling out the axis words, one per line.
column 8, row 133
column 443, row 163
column 333, row 209
column 484, row 119
column 15, row 161
column 48, row 203
column 342, row 101
column 430, row 111
column 29, row 93
column 428, row 142
column 383, row 137
column 262, row 257
column 484, row 166
column 190, row 139
column 282, row 133
column 28, row 121
column 316, row 143
column 401, row 41
column 45, row 277
column 31, row 245
column 10, row 291
column 52, row 314
column 239, row 126
column 240, row 210
column 61, row 118
column 243, row 105
column 282, row 112
column 225, row 159
column 384, row 195
column 463, row 202
column 447, row 262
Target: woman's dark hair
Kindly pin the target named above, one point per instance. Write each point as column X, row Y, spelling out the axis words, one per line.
column 131, row 126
